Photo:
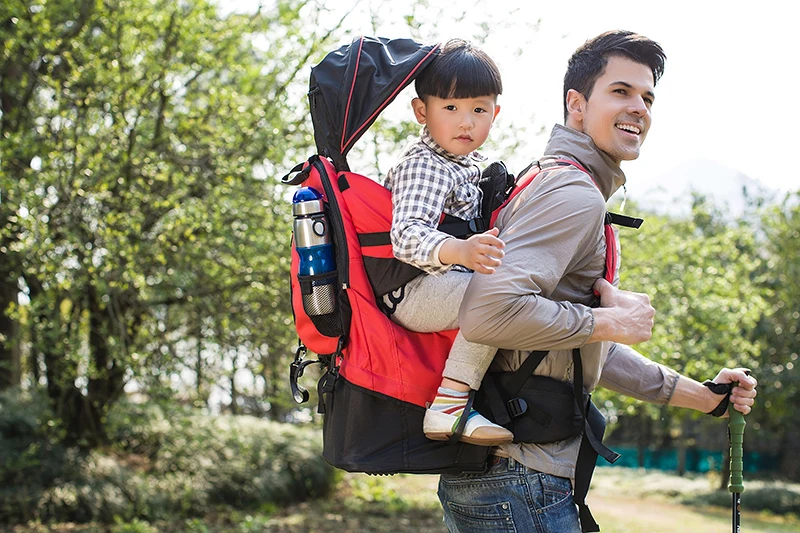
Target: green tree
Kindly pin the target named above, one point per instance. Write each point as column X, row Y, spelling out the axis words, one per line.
column 778, row 375
column 139, row 143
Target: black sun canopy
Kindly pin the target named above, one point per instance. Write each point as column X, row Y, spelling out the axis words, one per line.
column 352, row 85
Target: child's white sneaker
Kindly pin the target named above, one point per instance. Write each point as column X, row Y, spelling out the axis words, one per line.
column 438, row 425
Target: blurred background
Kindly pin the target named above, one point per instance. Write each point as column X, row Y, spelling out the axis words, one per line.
column 145, row 325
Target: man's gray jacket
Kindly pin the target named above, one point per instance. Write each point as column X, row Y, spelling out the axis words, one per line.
column 539, row 298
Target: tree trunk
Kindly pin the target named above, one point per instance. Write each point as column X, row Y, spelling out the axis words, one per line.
column 202, row 395
column 644, row 438
column 9, row 352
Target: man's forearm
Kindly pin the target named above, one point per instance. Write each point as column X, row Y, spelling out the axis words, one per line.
column 693, row 395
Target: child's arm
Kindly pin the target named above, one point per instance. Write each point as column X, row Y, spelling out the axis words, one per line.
column 480, row 253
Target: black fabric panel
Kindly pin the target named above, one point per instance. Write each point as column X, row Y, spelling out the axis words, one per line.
column 551, row 414
column 386, row 275
column 364, row 431
column 378, row 238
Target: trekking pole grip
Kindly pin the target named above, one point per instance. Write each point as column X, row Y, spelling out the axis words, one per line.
column 736, row 425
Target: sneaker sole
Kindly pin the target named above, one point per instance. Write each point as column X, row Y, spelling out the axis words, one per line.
column 470, row 440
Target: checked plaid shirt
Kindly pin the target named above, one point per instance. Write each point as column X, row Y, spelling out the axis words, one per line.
column 426, row 182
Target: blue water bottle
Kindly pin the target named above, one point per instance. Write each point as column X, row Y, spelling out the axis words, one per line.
column 314, row 246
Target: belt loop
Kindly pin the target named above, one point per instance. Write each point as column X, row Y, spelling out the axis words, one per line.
column 512, row 464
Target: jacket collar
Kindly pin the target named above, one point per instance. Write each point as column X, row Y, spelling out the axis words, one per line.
column 579, row 147
column 464, row 160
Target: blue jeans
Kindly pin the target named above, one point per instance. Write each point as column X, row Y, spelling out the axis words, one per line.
column 508, row 497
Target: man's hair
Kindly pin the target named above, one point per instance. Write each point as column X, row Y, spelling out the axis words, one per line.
column 589, row 61
column 460, row 70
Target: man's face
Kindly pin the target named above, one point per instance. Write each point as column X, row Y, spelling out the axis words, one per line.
column 617, row 114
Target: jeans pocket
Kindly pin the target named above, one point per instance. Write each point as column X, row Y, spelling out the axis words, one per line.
column 556, row 490
column 481, row 518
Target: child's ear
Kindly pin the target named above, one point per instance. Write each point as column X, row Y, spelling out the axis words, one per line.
column 496, row 111
column 420, row 113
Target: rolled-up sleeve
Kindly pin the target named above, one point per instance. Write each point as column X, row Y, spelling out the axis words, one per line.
column 628, row 372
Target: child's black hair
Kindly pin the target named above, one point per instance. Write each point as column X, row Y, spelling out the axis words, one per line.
column 460, row 70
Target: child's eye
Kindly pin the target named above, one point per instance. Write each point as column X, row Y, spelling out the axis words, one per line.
column 450, row 107
column 480, row 110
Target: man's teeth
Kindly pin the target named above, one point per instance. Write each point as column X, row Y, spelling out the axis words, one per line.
column 632, row 129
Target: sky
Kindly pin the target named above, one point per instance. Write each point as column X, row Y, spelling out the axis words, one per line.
column 725, row 106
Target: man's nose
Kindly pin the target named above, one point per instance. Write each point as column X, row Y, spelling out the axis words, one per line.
column 638, row 107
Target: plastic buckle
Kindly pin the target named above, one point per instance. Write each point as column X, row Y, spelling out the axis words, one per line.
column 516, row 407
column 476, row 225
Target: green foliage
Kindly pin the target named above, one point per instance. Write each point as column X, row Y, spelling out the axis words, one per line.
column 136, row 526
column 139, row 144
column 178, row 464
column 780, row 331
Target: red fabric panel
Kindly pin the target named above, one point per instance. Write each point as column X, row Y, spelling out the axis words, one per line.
column 379, row 354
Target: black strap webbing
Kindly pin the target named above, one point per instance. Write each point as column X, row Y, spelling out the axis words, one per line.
column 497, row 403
column 624, row 220
column 378, row 238
column 463, row 228
column 462, row 421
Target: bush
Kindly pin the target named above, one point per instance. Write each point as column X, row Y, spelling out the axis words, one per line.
column 161, row 466
column 772, row 499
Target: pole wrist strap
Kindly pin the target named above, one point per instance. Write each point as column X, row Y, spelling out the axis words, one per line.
column 720, row 388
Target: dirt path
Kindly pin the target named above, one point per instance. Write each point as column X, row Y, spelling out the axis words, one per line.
column 408, row 504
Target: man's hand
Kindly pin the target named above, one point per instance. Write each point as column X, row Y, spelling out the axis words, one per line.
column 743, row 394
column 623, row 316
column 481, row 252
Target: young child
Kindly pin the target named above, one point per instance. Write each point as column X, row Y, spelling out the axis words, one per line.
column 456, row 104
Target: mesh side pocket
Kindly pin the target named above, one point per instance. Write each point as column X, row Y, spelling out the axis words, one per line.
column 321, row 302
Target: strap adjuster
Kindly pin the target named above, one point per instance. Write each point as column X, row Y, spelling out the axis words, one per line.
column 516, row 407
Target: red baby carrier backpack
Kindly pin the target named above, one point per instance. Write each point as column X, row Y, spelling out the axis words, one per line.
column 379, row 376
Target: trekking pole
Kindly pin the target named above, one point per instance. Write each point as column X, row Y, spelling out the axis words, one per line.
column 736, row 425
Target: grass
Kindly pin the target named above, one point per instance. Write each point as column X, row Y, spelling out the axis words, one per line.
column 622, row 500
column 627, row 500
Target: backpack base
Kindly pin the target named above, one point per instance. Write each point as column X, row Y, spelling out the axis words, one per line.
column 366, row 431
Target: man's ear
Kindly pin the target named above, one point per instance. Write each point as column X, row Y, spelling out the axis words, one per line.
column 420, row 112
column 576, row 105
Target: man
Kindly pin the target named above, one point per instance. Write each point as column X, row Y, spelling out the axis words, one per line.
column 541, row 298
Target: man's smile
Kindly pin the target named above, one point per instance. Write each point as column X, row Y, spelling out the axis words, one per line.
column 631, row 128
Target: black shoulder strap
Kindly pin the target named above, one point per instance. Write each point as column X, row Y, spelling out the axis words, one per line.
column 591, row 445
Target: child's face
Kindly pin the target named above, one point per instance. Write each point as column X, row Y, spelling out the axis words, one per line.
column 459, row 125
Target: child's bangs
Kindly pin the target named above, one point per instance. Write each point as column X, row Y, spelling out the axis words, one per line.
column 466, row 79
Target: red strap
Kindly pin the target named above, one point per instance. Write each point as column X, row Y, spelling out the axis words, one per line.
column 611, row 238
column 611, row 253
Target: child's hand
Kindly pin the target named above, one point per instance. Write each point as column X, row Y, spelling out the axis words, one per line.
column 480, row 253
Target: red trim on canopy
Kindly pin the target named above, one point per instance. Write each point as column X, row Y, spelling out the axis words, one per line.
column 391, row 97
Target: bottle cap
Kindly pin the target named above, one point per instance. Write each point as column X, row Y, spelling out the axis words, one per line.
column 307, row 201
